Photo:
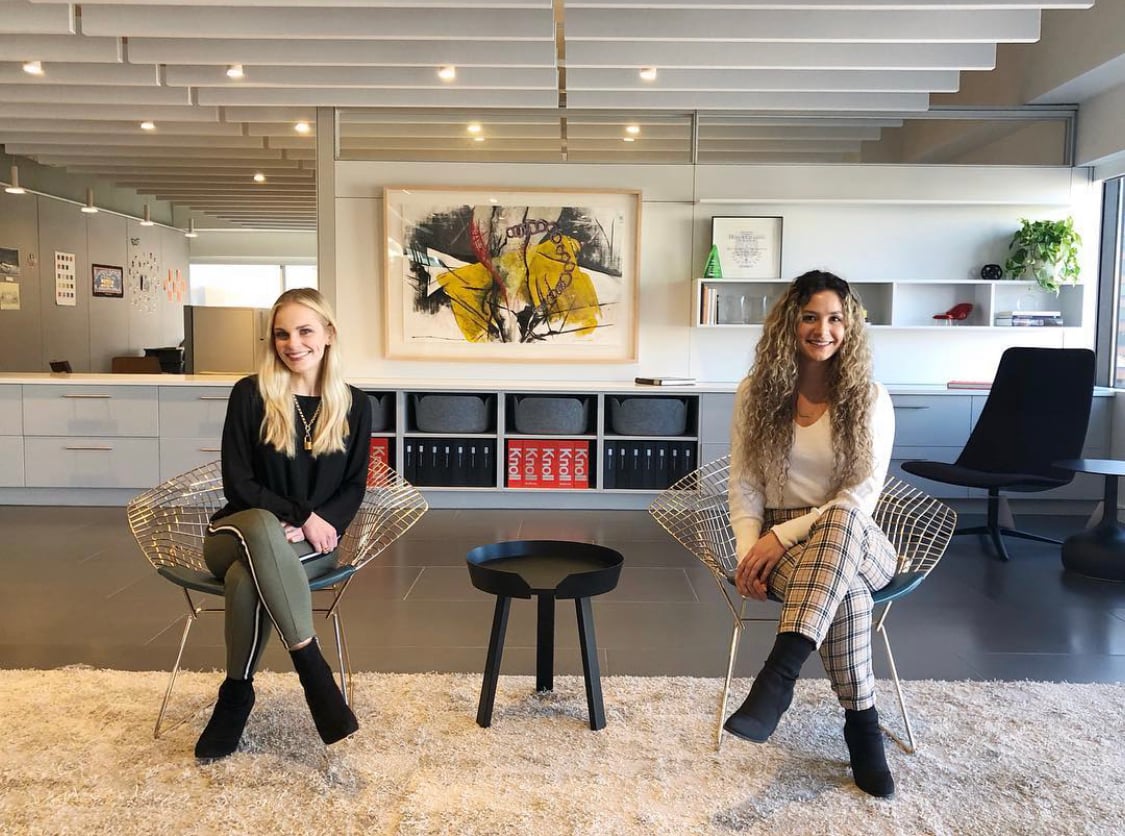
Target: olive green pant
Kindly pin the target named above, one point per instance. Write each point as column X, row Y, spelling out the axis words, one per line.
column 266, row 579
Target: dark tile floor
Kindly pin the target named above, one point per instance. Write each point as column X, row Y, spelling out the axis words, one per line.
column 77, row 590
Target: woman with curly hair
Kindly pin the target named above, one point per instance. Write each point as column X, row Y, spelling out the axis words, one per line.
column 810, row 445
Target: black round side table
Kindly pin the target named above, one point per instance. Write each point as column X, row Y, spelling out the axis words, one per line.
column 1098, row 552
column 547, row 569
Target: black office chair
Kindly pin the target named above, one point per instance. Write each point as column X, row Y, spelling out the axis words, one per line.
column 1037, row 412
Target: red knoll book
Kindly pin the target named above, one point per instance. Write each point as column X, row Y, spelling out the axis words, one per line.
column 581, row 464
column 530, row 464
column 565, row 463
column 515, row 464
column 380, row 452
column 548, row 464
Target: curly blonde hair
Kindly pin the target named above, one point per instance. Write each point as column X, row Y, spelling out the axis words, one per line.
column 769, row 410
column 275, row 385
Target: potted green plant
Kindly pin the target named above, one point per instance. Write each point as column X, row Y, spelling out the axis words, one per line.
column 1046, row 249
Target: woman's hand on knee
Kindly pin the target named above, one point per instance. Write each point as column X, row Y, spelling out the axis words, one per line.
column 752, row 574
column 293, row 533
column 320, row 534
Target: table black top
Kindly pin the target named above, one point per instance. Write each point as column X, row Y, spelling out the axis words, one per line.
column 1106, row 467
column 521, row 568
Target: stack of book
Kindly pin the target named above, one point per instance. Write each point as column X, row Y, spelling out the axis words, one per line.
column 709, row 306
column 1029, row 318
column 449, row 462
column 646, row 465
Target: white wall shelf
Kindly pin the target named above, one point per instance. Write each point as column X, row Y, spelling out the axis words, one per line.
column 726, row 303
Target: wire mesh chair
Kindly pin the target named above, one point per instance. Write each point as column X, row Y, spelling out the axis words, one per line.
column 170, row 522
column 695, row 511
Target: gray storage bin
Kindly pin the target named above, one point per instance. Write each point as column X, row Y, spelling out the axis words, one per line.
column 382, row 408
column 647, row 416
column 542, row 415
column 452, row 413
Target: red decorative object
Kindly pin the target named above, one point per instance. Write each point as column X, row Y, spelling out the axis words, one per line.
column 957, row 313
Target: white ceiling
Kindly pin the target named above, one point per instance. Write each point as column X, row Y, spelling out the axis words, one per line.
column 547, row 80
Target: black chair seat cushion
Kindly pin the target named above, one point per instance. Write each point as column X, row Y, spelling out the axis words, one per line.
column 209, row 584
column 899, row 585
column 954, row 474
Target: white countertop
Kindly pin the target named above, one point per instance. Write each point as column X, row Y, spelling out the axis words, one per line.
column 432, row 385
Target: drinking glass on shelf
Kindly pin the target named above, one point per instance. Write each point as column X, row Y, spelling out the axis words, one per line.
column 733, row 309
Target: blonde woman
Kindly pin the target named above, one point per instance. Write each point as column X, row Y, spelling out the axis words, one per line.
column 811, row 442
column 294, row 458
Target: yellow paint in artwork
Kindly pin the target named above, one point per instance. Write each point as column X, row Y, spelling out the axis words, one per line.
column 573, row 308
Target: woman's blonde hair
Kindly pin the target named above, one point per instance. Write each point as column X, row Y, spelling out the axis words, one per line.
column 769, row 410
column 279, row 428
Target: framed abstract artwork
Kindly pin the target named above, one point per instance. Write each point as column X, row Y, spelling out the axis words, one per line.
column 527, row 275
column 748, row 247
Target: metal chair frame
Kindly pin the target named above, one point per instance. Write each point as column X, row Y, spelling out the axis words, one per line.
column 170, row 523
column 695, row 511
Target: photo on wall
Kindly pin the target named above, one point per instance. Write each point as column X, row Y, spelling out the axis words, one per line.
column 108, row 280
column 9, row 262
column 521, row 275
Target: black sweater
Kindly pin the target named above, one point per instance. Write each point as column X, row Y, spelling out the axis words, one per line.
column 255, row 475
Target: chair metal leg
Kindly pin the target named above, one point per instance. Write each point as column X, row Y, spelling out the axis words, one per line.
column 909, row 747
column 736, row 634
column 345, row 666
column 189, row 620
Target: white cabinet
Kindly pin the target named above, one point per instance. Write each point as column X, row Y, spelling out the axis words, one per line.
column 719, row 303
column 91, row 462
column 65, row 410
column 11, row 442
column 191, row 426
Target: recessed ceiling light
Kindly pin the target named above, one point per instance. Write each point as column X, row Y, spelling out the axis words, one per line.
column 474, row 128
column 628, row 139
column 302, row 127
column 235, row 71
column 633, row 129
column 648, row 74
column 33, row 67
column 447, row 73
column 493, row 200
column 148, row 126
column 259, row 177
column 90, row 208
column 478, row 139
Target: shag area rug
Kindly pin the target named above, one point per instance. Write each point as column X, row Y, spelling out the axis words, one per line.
column 78, row 756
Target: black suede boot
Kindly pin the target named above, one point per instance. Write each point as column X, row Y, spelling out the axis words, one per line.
column 334, row 720
column 223, row 731
column 865, row 746
column 772, row 690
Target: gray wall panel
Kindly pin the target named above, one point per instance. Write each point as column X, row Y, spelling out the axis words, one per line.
column 109, row 316
column 20, row 331
column 66, row 330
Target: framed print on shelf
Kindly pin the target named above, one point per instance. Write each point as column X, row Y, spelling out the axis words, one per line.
column 748, row 247
column 108, row 280
column 524, row 275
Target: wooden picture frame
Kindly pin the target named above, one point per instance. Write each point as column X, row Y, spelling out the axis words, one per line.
column 108, row 280
column 522, row 275
column 748, row 247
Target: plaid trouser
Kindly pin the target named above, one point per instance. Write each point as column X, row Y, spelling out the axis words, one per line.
column 825, row 584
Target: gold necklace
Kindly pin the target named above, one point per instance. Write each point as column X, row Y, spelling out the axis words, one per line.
column 308, row 424
column 818, row 409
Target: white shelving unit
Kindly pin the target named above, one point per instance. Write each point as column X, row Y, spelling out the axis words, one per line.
column 729, row 303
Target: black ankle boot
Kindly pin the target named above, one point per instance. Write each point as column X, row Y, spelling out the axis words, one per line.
column 334, row 720
column 772, row 690
column 224, row 729
column 865, row 746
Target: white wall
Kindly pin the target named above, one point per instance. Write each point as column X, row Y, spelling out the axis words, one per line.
column 864, row 222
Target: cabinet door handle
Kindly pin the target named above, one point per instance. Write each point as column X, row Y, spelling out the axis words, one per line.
column 87, row 396
column 99, row 447
column 210, row 450
column 214, row 397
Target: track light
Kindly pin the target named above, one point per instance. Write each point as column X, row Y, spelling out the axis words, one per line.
column 447, row 73
column 14, row 187
column 148, row 218
column 33, row 67
column 90, row 208
column 648, row 74
column 302, row 127
column 235, row 71
column 191, row 233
